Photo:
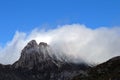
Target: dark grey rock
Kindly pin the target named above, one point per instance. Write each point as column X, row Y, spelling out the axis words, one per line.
column 37, row 62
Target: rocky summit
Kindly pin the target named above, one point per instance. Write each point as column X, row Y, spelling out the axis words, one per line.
column 37, row 62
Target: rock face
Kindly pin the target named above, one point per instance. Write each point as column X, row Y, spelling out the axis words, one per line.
column 37, row 62
column 109, row 70
column 33, row 55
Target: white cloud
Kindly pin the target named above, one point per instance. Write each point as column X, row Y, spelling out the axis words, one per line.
column 76, row 41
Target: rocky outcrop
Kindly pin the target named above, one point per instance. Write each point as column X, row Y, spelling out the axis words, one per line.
column 33, row 55
column 37, row 62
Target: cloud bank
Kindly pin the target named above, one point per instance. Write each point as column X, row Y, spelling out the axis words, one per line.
column 76, row 41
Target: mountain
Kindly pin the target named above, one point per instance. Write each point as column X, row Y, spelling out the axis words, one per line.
column 38, row 62
column 109, row 70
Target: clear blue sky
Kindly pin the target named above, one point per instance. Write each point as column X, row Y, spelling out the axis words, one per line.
column 25, row 15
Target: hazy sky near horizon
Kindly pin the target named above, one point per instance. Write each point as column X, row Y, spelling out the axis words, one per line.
column 25, row 15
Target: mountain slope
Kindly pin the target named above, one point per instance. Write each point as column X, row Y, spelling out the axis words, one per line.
column 109, row 70
column 37, row 62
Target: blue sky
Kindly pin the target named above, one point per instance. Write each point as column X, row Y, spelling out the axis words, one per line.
column 25, row 15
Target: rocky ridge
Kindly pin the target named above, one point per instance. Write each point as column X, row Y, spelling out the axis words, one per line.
column 109, row 70
column 38, row 63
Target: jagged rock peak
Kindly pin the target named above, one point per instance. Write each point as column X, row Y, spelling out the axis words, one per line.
column 32, row 43
column 43, row 43
column 31, row 47
column 34, row 54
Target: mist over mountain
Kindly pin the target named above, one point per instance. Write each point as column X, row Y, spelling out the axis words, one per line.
column 59, row 40
column 78, row 42
column 37, row 62
column 64, row 53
